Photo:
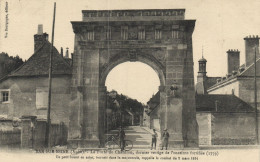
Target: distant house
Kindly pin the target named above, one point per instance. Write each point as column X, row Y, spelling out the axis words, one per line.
column 128, row 117
column 146, row 117
column 239, row 80
column 153, row 112
column 25, row 90
column 222, row 119
column 225, row 105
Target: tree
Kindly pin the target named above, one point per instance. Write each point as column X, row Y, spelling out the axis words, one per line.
column 9, row 63
column 128, row 103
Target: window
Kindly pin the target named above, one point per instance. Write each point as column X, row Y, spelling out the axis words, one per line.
column 175, row 34
column 141, row 33
column 158, row 34
column 41, row 98
column 5, row 96
column 90, row 35
column 108, row 33
column 124, row 32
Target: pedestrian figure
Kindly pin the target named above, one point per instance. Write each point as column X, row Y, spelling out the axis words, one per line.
column 165, row 138
column 154, row 139
column 121, row 135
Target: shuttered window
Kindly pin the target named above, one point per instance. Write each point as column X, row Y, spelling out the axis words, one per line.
column 41, row 98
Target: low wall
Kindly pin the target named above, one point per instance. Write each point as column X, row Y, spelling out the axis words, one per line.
column 30, row 134
column 233, row 128
column 10, row 138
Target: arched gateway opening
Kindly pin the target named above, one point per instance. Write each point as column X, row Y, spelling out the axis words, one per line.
column 161, row 39
column 136, row 80
column 134, row 83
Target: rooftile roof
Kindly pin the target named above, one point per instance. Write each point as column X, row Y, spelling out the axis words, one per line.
column 221, row 103
column 248, row 72
column 38, row 63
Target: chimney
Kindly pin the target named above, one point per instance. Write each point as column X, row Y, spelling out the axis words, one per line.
column 251, row 42
column 40, row 38
column 61, row 51
column 233, row 61
column 67, row 53
column 40, row 29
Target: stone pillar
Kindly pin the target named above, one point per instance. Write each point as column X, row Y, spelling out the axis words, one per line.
column 174, row 105
column 40, row 129
column 190, row 125
column 88, row 103
column 85, row 116
column 102, row 113
column 27, row 132
column 76, row 131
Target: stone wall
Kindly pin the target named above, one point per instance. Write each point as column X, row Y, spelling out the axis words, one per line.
column 204, row 122
column 233, row 128
column 247, row 91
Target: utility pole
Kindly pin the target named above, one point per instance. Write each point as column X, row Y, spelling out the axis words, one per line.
column 256, row 112
column 47, row 132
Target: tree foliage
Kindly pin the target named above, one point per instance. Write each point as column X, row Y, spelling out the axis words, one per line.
column 125, row 103
column 9, row 63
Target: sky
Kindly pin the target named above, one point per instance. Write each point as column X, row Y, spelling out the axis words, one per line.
column 220, row 25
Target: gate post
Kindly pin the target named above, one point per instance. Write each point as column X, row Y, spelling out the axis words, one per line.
column 27, row 132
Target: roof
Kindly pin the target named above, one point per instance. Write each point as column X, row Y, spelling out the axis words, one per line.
column 221, row 103
column 154, row 102
column 250, row 70
column 129, row 112
column 38, row 63
column 155, row 98
column 211, row 81
column 217, row 103
column 202, row 60
column 247, row 72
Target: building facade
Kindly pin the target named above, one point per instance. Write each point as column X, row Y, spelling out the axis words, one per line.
column 225, row 105
column 160, row 38
column 24, row 92
column 240, row 79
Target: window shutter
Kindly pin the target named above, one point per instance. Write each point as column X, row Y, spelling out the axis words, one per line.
column 41, row 98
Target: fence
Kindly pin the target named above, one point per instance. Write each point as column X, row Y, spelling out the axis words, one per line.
column 58, row 134
column 10, row 138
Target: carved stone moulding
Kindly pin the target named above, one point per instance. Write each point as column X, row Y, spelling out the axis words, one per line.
column 120, row 13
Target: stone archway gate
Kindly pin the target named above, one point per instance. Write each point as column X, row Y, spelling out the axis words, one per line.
column 159, row 38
